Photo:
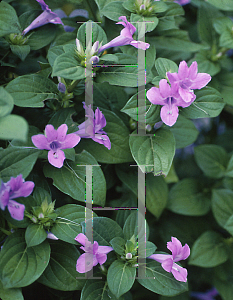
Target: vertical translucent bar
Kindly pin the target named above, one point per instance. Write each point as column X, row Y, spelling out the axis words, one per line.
column 88, row 212
column 141, row 223
column 88, row 82
column 141, row 81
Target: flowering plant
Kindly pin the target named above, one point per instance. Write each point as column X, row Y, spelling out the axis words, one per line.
column 115, row 142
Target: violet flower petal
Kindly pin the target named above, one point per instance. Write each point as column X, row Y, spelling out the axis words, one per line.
column 43, row 5
column 50, row 133
column 16, row 210
column 169, row 115
column 154, row 96
column 167, row 264
column 187, row 95
column 81, row 238
column 182, row 2
column 101, row 258
column 183, row 70
column 104, row 249
column 56, row 158
column 4, row 195
column 40, row 141
column 60, row 13
column 102, row 139
column 201, row 80
column 61, row 133
column 100, row 120
column 117, row 41
column 172, row 77
column 71, row 140
column 79, row 12
column 47, row 16
column 24, row 191
column 179, row 273
column 174, row 246
column 160, row 257
column 85, row 262
column 43, row 19
column 125, row 37
column 164, row 88
column 193, row 70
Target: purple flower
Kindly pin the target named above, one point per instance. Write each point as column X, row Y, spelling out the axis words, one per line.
column 125, row 37
column 169, row 261
column 93, row 255
column 77, row 12
column 54, row 141
column 46, row 17
column 169, row 98
column 16, row 187
column 188, row 80
column 209, row 295
column 182, row 2
column 92, row 127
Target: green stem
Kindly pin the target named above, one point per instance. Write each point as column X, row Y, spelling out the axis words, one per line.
column 72, row 86
column 5, row 55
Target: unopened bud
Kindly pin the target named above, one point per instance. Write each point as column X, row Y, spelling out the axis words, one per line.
column 129, row 256
column 51, row 236
column 94, row 60
column 148, row 127
column 61, row 87
column 41, row 216
column 142, row 7
column 158, row 125
column 34, row 219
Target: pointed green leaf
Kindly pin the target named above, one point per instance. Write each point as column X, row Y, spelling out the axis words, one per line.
column 10, row 294
column 120, row 277
column 9, row 22
column 187, row 198
column 6, row 102
column 32, row 90
column 15, row 161
column 160, row 281
column 35, row 234
column 154, row 152
column 208, row 104
column 61, row 273
column 70, row 179
column 67, row 66
column 208, row 250
column 20, row 265
column 222, row 205
column 68, row 223
column 13, row 127
column 212, row 160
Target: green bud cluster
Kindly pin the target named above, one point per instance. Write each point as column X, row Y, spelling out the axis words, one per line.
column 43, row 215
column 16, row 39
column 144, row 7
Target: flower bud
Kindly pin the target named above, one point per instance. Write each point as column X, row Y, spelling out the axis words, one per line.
column 61, row 87
column 41, row 216
column 142, row 7
column 34, row 219
column 129, row 256
column 51, row 236
column 94, row 60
